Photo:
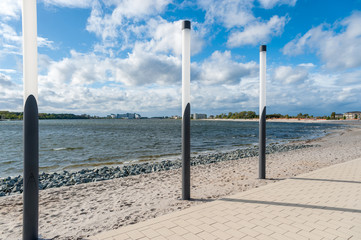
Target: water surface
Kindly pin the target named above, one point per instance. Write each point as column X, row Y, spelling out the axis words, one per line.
column 75, row 144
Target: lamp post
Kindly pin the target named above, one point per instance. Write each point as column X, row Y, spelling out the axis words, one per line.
column 262, row 112
column 186, row 109
column 31, row 128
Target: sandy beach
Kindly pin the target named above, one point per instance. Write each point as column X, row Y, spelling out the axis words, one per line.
column 75, row 212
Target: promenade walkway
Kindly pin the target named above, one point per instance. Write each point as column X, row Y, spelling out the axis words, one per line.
column 324, row 204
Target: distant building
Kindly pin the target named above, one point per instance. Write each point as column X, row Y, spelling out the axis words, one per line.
column 353, row 115
column 112, row 116
column 126, row 116
column 199, row 116
column 339, row 115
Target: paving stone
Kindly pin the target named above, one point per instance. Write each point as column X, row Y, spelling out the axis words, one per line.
column 324, row 204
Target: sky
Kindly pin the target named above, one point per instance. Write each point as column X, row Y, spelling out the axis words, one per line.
column 114, row 56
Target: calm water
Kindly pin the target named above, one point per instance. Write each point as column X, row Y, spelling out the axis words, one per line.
column 75, row 144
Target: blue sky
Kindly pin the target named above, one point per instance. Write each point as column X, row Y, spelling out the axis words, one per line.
column 115, row 56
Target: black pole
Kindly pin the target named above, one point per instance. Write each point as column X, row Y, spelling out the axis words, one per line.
column 262, row 144
column 31, row 170
column 186, row 153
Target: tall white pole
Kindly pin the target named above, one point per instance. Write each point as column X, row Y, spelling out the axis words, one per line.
column 262, row 112
column 31, row 128
column 30, row 49
column 186, row 109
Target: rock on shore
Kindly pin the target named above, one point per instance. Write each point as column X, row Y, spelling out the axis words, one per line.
column 12, row 185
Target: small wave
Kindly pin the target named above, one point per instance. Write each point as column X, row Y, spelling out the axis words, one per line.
column 66, row 149
column 49, row 168
column 8, row 162
column 145, row 158
column 86, row 165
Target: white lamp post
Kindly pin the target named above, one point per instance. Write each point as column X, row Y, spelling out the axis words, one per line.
column 186, row 109
column 262, row 112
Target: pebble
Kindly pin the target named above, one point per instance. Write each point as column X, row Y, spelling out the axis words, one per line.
column 13, row 185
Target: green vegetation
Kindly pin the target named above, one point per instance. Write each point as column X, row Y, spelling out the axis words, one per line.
column 11, row 115
column 62, row 116
column 238, row 115
column 252, row 115
column 333, row 115
column 6, row 115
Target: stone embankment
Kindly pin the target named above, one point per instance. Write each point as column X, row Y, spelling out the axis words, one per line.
column 12, row 185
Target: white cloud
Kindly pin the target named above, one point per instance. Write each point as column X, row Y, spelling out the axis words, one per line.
column 11, row 94
column 289, row 75
column 7, row 33
column 69, row 3
column 145, row 82
column 44, row 42
column 8, row 70
column 142, row 68
column 11, row 41
column 293, row 90
column 309, row 65
column 138, row 9
column 103, row 26
column 166, row 37
column 257, row 32
column 79, row 69
column 125, row 27
column 351, row 78
column 268, row 4
column 349, row 95
column 110, row 99
column 5, row 80
column 10, row 9
column 219, row 98
column 117, row 23
column 86, row 82
column 338, row 49
column 230, row 13
column 297, row 89
column 309, row 39
column 138, row 69
column 221, row 69
column 142, row 82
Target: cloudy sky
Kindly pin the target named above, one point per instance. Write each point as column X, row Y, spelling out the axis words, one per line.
column 115, row 56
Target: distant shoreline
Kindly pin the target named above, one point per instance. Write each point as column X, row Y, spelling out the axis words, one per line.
column 293, row 120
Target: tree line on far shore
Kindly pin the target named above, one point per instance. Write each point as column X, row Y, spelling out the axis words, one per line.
column 19, row 116
column 6, row 115
column 252, row 115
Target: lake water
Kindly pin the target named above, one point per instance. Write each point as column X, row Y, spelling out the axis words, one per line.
column 76, row 144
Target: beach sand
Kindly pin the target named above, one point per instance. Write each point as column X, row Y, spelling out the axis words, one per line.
column 83, row 210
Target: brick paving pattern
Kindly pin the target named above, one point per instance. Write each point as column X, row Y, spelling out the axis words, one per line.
column 324, row 204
